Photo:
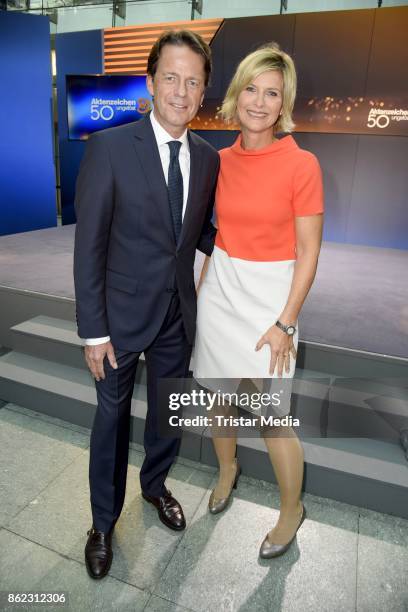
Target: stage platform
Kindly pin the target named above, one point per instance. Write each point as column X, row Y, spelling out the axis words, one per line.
column 350, row 389
column 359, row 299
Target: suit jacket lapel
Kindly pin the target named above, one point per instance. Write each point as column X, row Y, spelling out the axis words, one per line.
column 195, row 167
column 148, row 154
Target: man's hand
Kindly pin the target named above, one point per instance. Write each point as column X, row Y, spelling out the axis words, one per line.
column 94, row 356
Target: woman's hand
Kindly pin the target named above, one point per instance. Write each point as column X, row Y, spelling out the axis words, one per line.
column 281, row 348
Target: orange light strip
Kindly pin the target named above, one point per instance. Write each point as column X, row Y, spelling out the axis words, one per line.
column 126, row 49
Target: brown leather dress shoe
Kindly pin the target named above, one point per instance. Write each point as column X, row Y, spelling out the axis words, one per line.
column 169, row 510
column 98, row 553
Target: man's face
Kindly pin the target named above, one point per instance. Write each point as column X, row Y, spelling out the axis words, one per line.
column 177, row 87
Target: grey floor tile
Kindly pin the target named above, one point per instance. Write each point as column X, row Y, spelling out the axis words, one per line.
column 48, row 427
column 157, row 604
column 49, row 419
column 195, row 464
column 137, row 447
column 382, row 564
column 144, row 546
column 331, row 503
column 216, row 566
column 32, row 453
column 28, row 567
column 179, row 460
column 60, row 517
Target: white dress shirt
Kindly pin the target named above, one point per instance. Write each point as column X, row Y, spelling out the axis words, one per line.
column 162, row 138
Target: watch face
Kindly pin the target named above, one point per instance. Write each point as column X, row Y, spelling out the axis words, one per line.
column 290, row 330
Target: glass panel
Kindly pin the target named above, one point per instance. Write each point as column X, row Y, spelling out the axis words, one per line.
column 238, row 8
column 158, row 12
column 71, row 19
column 74, row 15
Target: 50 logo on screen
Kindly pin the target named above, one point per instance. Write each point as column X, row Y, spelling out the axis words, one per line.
column 381, row 117
column 105, row 109
column 105, row 112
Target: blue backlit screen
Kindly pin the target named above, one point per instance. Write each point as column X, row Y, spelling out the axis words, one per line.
column 97, row 102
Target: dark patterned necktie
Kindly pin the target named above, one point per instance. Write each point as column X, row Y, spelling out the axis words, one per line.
column 175, row 187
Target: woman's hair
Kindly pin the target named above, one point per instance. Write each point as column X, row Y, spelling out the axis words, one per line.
column 267, row 57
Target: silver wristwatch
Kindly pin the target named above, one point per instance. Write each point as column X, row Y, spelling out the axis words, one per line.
column 288, row 329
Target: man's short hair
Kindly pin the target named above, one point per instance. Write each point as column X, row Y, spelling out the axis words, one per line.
column 180, row 37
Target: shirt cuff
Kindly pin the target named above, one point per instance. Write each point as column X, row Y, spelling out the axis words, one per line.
column 95, row 341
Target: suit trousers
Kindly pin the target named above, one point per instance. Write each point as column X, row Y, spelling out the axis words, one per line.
column 168, row 356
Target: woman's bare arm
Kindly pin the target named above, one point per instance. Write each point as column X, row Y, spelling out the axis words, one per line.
column 308, row 241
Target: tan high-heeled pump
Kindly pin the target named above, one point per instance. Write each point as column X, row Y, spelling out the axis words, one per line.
column 268, row 550
column 216, row 505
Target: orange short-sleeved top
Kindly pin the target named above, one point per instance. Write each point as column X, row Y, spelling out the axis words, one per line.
column 259, row 194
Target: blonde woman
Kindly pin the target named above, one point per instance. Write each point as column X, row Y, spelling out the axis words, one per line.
column 269, row 205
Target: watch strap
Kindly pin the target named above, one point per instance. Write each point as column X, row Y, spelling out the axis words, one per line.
column 284, row 328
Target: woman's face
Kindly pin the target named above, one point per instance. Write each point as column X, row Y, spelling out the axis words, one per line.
column 260, row 103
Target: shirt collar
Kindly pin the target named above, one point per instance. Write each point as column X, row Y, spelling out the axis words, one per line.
column 163, row 137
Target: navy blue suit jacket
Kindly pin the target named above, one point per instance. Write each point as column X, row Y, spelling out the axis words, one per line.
column 126, row 260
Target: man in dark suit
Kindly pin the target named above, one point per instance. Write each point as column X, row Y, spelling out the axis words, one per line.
column 144, row 199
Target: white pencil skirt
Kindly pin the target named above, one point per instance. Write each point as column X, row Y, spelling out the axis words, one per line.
column 238, row 301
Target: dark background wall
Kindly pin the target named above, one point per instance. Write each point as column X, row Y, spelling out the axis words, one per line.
column 341, row 54
column 337, row 53
column 77, row 53
column 27, row 174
